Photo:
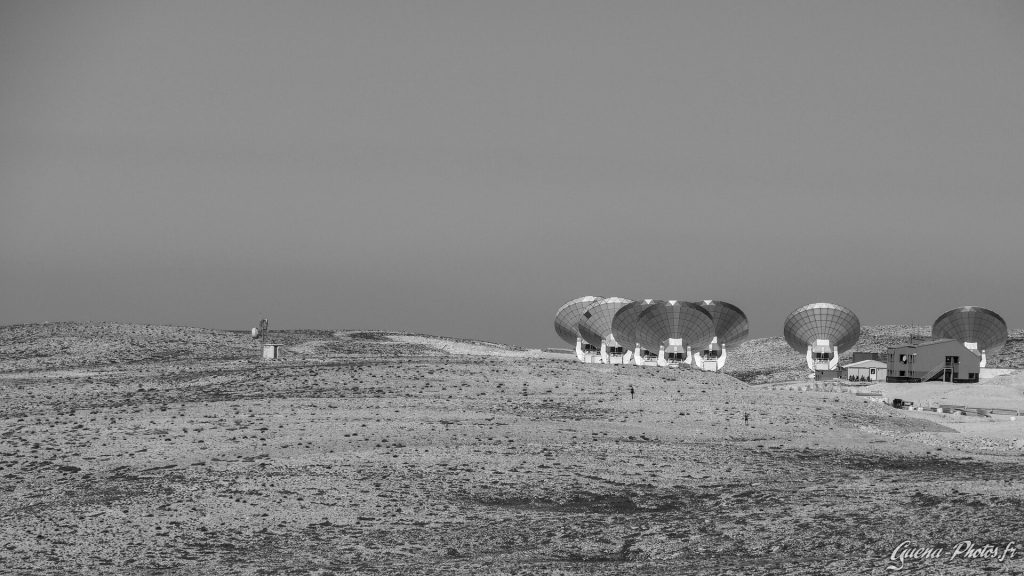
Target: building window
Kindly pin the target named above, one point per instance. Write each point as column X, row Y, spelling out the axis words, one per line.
column 903, row 372
column 872, row 371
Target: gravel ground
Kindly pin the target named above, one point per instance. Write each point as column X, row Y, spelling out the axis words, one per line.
column 357, row 455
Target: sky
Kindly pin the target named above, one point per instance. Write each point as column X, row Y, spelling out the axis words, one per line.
column 464, row 168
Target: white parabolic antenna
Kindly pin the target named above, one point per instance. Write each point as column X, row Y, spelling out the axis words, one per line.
column 567, row 318
column 595, row 326
column 625, row 321
column 810, row 324
column 676, row 325
column 980, row 329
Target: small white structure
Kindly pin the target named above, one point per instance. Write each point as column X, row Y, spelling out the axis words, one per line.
column 272, row 351
column 865, row 370
column 586, row 353
column 642, row 357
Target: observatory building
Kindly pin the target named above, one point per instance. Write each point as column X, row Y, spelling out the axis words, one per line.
column 567, row 321
column 624, row 329
column 978, row 329
column 823, row 331
column 731, row 328
column 674, row 329
column 595, row 328
column 938, row 360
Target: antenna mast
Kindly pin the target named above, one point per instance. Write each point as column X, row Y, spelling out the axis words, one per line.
column 260, row 333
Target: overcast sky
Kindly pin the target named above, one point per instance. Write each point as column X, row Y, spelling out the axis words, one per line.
column 464, row 168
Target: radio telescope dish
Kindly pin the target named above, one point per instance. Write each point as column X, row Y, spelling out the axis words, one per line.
column 822, row 330
column 626, row 319
column 567, row 318
column 980, row 329
column 822, row 321
column 731, row 325
column 674, row 328
column 731, row 328
column 624, row 329
column 595, row 325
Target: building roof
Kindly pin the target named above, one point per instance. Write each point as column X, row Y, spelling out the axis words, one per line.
column 920, row 343
column 866, row 364
column 933, row 342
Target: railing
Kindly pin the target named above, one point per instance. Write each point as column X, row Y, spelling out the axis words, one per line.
column 932, row 373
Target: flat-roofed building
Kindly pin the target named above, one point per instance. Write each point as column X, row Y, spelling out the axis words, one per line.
column 940, row 360
column 865, row 370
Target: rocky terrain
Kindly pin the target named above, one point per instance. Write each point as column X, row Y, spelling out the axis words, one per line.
column 167, row 450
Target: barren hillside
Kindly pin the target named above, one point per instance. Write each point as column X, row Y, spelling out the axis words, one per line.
column 372, row 452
